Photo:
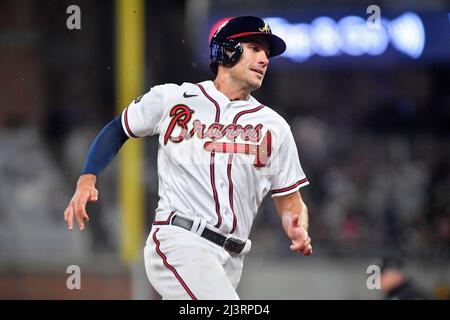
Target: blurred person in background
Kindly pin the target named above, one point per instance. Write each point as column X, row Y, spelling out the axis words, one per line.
column 396, row 285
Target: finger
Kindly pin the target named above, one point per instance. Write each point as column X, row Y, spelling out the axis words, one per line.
column 82, row 212
column 301, row 245
column 82, row 208
column 69, row 220
column 296, row 247
column 79, row 221
column 307, row 242
column 305, row 235
column 304, row 243
column 94, row 195
column 79, row 215
column 85, row 216
column 307, row 251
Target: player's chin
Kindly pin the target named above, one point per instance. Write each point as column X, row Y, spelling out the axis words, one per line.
column 256, row 83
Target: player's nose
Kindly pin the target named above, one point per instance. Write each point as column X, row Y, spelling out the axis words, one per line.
column 263, row 59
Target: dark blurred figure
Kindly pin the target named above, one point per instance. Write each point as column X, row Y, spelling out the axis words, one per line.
column 396, row 284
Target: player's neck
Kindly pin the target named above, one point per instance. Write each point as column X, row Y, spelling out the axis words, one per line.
column 231, row 89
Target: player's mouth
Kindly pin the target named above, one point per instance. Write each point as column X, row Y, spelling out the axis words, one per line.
column 258, row 71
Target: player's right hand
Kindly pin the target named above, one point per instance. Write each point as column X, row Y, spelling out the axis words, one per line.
column 301, row 241
column 85, row 192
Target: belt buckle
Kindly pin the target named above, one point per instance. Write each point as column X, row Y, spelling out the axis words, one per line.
column 234, row 245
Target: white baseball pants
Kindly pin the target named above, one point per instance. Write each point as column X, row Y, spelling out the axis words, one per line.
column 183, row 265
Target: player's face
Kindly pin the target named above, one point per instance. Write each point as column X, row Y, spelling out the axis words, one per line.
column 251, row 68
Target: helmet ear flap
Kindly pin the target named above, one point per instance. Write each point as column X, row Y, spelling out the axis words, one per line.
column 227, row 51
column 234, row 49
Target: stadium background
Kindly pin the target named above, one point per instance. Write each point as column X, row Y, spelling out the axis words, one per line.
column 372, row 130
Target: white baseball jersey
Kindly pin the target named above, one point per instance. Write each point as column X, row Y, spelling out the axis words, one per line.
column 217, row 158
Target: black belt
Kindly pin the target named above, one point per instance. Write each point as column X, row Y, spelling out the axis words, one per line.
column 228, row 243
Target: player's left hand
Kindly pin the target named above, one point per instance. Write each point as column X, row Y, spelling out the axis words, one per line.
column 301, row 242
column 84, row 193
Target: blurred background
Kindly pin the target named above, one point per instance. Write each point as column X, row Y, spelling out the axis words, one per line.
column 369, row 108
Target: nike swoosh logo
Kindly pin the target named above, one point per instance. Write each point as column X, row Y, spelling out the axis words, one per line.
column 189, row 95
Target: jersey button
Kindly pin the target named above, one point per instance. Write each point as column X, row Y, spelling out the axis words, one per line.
column 222, row 185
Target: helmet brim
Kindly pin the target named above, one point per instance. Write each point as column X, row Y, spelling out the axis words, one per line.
column 276, row 45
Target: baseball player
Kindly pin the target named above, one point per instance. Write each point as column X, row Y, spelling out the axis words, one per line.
column 220, row 153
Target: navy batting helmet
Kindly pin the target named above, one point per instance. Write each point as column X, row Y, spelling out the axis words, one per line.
column 225, row 38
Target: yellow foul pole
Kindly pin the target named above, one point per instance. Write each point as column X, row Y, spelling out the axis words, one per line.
column 129, row 85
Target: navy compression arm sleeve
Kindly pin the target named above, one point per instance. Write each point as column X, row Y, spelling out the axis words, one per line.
column 105, row 146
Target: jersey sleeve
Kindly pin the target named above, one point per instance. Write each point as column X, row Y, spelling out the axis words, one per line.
column 288, row 175
column 143, row 115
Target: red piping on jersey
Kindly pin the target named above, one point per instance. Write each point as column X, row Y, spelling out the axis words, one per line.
column 289, row 188
column 164, row 258
column 211, row 168
column 125, row 118
column 164, row 222
column 212, row 100
column 230, row 191
column 230, row 162
column 236, row 117
column 213, row 184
